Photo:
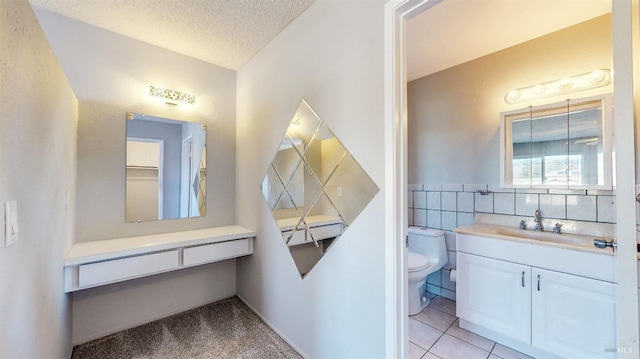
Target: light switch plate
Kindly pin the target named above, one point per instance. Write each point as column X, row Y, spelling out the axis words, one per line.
column 11, row 223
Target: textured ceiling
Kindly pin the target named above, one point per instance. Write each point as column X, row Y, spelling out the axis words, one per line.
column 226, row 33
column 456, row 31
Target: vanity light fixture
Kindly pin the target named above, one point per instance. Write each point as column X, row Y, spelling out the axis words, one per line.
column 586, row 81
column 172, row 97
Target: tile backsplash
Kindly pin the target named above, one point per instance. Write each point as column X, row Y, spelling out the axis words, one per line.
column 448, row 206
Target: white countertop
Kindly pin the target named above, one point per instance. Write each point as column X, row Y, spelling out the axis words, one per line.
column 287, row 224
column 86, row 252
column 581, row 242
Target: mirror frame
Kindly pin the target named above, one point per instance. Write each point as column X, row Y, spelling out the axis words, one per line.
column 506, row 143
column 201, row 174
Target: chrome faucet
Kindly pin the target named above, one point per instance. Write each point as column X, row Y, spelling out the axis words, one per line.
column 538, row 221
column 557, row 228
column 523, row 224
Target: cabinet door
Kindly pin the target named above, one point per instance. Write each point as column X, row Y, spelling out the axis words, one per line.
column 495, row 294
column 573, row 317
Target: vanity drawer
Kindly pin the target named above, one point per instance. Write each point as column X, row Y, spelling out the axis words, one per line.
column 324, row 232
column 299, row 237
column 125, row 268
column 216, row 252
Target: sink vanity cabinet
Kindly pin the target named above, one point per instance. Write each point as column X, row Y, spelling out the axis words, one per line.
column 546, row 301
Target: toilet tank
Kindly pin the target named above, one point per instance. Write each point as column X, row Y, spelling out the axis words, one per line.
column 428, row 242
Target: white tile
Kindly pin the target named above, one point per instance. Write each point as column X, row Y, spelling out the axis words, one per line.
column 415, row 352
column 420, row 199
column 451, row 260
column 599, row 192
column 453, row 348
column 449, row 220
column 465, row 202
column 444, row 305
column 484, row 203
column 432, row 187
column 430, row 356
column 504, row 203
column 433, row 219
column 410, row 199
column 464, row 219
column 449, row 237
column 568, row 191
column 434, row 289
column 421, row 334
column 606, row 209
column 410, row 217
column 449, row 294
column 433, row 200
column 448, row 201
column 420, row 217
column 435, row 318
column 452, row 188
column 435, row 278
column 582, row 208
column 531, row 190
column 553, row 206
column 471, row 338
column 498, row 189
column 474, row 187
column 446, row 282
column 526, row 204
column 414, row 187
column 508, row 353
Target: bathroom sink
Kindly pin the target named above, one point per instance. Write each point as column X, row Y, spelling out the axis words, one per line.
column 542, row 236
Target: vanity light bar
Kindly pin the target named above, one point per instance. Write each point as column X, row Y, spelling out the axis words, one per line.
column 586, row 81
column 172, row 96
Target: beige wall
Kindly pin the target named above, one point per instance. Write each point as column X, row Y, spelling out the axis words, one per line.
column 454, row 115
column 110, row 75
column 332, row 55
column 37, row 166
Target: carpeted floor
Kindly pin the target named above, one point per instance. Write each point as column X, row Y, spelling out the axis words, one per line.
column 224, row 329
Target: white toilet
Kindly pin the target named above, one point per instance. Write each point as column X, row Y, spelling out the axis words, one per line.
column 427, row 254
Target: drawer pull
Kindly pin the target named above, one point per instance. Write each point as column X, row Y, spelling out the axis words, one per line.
column 538, row 282
column 522, row 279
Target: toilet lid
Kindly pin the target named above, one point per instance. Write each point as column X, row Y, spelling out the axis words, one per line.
column 417, row 262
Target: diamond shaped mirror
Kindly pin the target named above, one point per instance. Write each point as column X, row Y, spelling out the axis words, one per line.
column 314, row 188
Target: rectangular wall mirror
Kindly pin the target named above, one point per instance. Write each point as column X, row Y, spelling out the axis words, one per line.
column 561, row 145
column 165, row 169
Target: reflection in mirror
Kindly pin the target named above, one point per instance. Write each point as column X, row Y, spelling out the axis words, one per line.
column 314, row 188
column 165, row 169
column 558, row 146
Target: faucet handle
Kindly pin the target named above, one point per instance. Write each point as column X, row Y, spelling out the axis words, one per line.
column 557, row 228
column 523, row 224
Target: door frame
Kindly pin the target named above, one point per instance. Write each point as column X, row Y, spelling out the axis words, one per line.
column 396, row 302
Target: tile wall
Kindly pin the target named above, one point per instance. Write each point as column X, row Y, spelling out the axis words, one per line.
column 448, row 206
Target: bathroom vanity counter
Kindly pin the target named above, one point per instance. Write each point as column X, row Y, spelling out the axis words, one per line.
column 536, row 292
column 564, row 240
column 320, row 227
column 287, row 224
column 95, row 263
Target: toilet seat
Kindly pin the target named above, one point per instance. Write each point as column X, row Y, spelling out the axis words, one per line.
column 417, row 262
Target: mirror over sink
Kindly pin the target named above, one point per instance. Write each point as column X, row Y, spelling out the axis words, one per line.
column 564, row 145
column 165, row 169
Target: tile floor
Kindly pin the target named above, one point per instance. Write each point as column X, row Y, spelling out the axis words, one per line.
column 434, row 333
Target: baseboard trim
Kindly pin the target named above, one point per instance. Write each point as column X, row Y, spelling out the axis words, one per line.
column 284, row 337
column 145, row 321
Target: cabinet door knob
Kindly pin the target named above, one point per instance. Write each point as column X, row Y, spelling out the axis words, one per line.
column 538, row 282
column 523, row 279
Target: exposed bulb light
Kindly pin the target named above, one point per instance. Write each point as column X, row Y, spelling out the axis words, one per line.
column 586, row 81
column 172, row 96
